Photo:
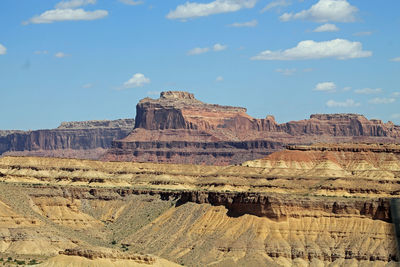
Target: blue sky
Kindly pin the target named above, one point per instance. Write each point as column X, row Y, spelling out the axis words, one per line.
column 88, row 59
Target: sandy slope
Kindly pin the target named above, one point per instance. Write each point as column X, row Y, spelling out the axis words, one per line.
column 293, row 208
column 76, row 261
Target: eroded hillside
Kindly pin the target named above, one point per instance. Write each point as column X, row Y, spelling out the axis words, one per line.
column 304, row 207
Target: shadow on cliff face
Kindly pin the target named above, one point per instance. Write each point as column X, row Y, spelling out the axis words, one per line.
column 278, row 209
column 236, row 204
column 395, row 212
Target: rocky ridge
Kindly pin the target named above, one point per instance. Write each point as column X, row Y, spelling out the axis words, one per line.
column 87, row 139
column 104, row 257
column 178, row 128
column 295, row 207
column 120, row 123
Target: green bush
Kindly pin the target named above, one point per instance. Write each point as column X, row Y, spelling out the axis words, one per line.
column 32, row 262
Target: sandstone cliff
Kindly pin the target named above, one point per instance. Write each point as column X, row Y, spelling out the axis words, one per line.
column 180, row 110
column 70, row 138
column 178, row 128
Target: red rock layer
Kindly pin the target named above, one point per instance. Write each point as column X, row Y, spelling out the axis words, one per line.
column 178, row 128
column 69, row 136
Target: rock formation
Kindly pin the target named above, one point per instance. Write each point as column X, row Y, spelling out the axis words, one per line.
column 104, row 257
column 120, row 123
column 178, row 128
column 87, row 139
column 321, row 205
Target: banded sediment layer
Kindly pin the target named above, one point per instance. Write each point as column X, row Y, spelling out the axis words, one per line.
column 307, row 206
column 83, row 139
column 178, row 128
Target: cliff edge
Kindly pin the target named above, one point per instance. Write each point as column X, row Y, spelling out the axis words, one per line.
column 178, row 128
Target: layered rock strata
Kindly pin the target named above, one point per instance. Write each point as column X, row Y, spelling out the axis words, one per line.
column 104, row 257
column 178, row 128
column 87, row 139
column 301, row 207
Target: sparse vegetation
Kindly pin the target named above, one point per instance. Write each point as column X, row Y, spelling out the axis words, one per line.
column 32, row 262
column 127, row 218
column 124, row 247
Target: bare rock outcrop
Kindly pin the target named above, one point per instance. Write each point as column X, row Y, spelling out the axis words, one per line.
column 348, row 125
column 120, row 123
column 70, row 138
column 282, row 211
column 108, row 254
column 178, row 128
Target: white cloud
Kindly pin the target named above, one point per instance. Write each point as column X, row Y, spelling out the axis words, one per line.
column 368, row 91
column 396, row 116
column 325, row 87
column 201, row 50
column 396, row 59
column 324, row 11
column 286, row 72
column 43, row 52
column 74, row 4
column 137, row 80
column 219, row 47
column 396, row 94
column 195, row 10
column 277, row 3
column 345, row 104
column 382, row 100
column 3, row 49
column 326, row 28
column 131, row 2
column 56, row 15
column 347, row 88
column 362, row 33
column 251, row 23
column 219, row 79
column 309, row 49
column 198, row 51
column 88, row 85
column 60, row 55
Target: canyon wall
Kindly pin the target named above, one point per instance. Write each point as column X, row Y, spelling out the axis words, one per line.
column 181, row 110
column 178, row 128
column 69, row 136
